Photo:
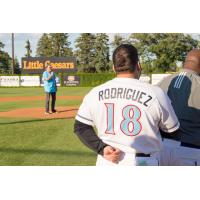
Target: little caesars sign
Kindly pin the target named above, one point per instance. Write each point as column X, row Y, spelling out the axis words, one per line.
column 35, row 65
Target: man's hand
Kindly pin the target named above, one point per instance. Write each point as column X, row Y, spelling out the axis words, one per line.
column 112, row 154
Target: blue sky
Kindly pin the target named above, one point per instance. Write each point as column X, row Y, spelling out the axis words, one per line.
column 20, row 39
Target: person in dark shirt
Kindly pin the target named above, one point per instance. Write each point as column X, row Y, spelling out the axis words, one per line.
column 183, row 90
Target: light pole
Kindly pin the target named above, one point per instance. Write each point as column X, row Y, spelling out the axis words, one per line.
column 13, row 54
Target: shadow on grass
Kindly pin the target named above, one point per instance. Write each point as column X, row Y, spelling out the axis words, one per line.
column 34, row 120
column 75, row 109
column 47, row 152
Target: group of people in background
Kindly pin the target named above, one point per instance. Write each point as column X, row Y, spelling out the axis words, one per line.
column 141, row 124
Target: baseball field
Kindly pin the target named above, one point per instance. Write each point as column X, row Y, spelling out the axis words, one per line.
column 28, row 137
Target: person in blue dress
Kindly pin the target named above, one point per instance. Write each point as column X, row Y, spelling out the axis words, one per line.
column 50, row 87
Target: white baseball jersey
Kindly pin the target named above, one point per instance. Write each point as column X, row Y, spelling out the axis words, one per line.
column 128, row 114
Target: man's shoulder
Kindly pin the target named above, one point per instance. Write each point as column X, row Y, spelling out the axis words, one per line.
column 112, row 83
column 99, row 87
column 157, row 90
column 96, row 89
column 149, row 87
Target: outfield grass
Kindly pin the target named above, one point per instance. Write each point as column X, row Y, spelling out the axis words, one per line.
column 39, row 142
column 39, row 91
column 7, row 106
column 63, row 91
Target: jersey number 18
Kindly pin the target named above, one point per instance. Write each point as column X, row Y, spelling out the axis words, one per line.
column 130, row 124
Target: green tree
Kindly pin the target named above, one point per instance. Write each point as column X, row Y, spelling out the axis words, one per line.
column 101, row 46
column 44, row 46
column 198, row 43
column 1, row 46
column 60, row 44
column 5, row 60
column 1, row 62
column 17, row 69
column 85, row 52
column 161, row 51
column 118, row 39
column 28, row 49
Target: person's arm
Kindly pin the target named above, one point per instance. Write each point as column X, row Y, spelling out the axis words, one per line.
column 83, row 127
column 169, row 122
column 88, row 136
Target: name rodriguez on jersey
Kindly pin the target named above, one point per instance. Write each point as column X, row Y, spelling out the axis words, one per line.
column 125, row 93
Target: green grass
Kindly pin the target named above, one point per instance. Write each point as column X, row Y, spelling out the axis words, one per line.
column 41, row 142
column 39, row 91
column 37, row 142
column 6, row 106
column 12, row 92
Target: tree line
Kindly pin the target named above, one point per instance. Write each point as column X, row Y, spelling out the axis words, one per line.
column 6, row 62
column 159, row 52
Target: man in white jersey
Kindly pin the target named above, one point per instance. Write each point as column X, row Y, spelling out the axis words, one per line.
column 127, row 114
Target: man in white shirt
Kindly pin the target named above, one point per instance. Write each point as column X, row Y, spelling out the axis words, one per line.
column 128, row 115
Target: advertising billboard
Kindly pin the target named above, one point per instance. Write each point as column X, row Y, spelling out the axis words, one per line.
column 29, row 81
column 71, row 80
column 9, row 81
column 36, row 65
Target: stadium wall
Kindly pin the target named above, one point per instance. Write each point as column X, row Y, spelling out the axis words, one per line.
column 72, row 79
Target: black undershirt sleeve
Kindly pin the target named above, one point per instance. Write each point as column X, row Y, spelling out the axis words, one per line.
column 88, row 136
column 173, row 135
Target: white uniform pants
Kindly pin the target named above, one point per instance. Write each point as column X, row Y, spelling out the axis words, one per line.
column 167, row 154
column 129, row 159
column 173, row 154
column 188, row 156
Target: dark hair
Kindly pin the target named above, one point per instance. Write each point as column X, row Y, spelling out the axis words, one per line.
column 125, row 58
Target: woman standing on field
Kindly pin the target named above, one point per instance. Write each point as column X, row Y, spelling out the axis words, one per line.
column 50, row 88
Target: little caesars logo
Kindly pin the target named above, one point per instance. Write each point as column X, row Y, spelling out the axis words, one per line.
column 40, row 65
